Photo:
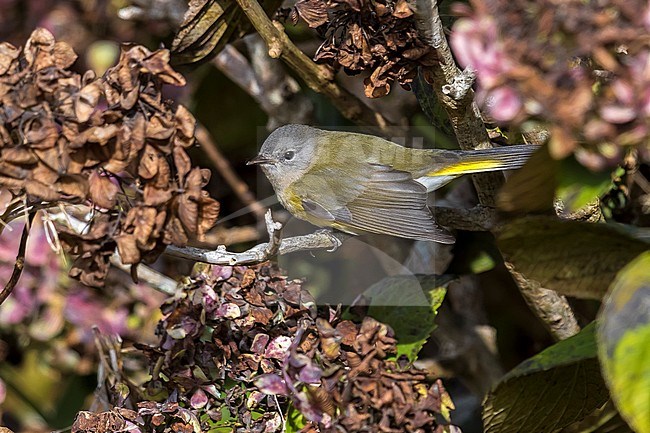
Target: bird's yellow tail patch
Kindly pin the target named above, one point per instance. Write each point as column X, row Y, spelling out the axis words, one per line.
column 467, row 167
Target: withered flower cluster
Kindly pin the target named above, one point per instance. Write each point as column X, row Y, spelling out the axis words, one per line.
column 581, row 67
column 110, row 142
column 237, row 340
column 378, row 36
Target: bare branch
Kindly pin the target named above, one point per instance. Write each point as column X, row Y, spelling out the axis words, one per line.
column 322, row 239
column 318, row 78
column 478, row 218
column 460, row 85
column 551, row 307
column 20, row 261
column 451, row 87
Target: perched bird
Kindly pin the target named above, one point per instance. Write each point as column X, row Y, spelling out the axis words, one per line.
column 360, row 183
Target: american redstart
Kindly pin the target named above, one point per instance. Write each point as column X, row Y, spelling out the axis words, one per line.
column 360, row 183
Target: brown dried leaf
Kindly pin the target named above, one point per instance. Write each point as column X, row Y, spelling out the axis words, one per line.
column 103, row 190
column 8, row 53
column 86, row 101
column 73, row 186
column 402, row 9
column 313, row 12
column 150, row 161
column 158, row 64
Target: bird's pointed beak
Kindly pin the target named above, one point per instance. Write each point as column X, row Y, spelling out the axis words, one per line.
column 260, row 159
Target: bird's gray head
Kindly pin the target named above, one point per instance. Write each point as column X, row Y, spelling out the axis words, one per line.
column 287, row 153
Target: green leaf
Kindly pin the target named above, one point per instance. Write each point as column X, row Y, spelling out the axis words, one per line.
column 409, row 305
column 295, row 420
column 550, row 391
column 604, row 419
column 624, row 338
column 574, row 258
column 579, row 186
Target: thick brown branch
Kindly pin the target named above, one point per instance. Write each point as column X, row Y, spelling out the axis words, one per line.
column 450, row 86
column 551, row 307
column 318, row 78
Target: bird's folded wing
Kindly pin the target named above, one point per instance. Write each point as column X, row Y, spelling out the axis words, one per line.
column 377, row 200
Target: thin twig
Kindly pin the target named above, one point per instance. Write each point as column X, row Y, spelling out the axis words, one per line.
column 20, row 261
column 317, row 77
column 225, row 169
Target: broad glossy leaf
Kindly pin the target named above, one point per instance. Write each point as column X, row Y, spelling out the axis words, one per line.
column 552, row 390
column 604, row 419
column 624, row 342
column 574, row 258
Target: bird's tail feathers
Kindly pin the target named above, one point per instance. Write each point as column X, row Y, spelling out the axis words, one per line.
column 482, row 160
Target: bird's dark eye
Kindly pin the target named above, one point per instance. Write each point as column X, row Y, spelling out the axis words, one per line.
column 289, row 154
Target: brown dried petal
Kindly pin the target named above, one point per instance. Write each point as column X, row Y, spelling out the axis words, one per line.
column 17, row 155
column 102, row 134
column 75, row 186
column 313, row 12
column 159, row 127
column 43, row 191
column 142, row 219
column 153, row 196
column 63, row 55
column 8, row 53
column 150, row 162
column 37, row 48
column 175, row 233
column 182, row 162
column 128, row 249
column 86, row 101
column 40, row 132
column 102, row 190
column 402, row 9
column 158, row 64
column 185, row 126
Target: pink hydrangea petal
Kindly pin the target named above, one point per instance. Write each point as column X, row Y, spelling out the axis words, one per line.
column 504, row 104
column 618, row 113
